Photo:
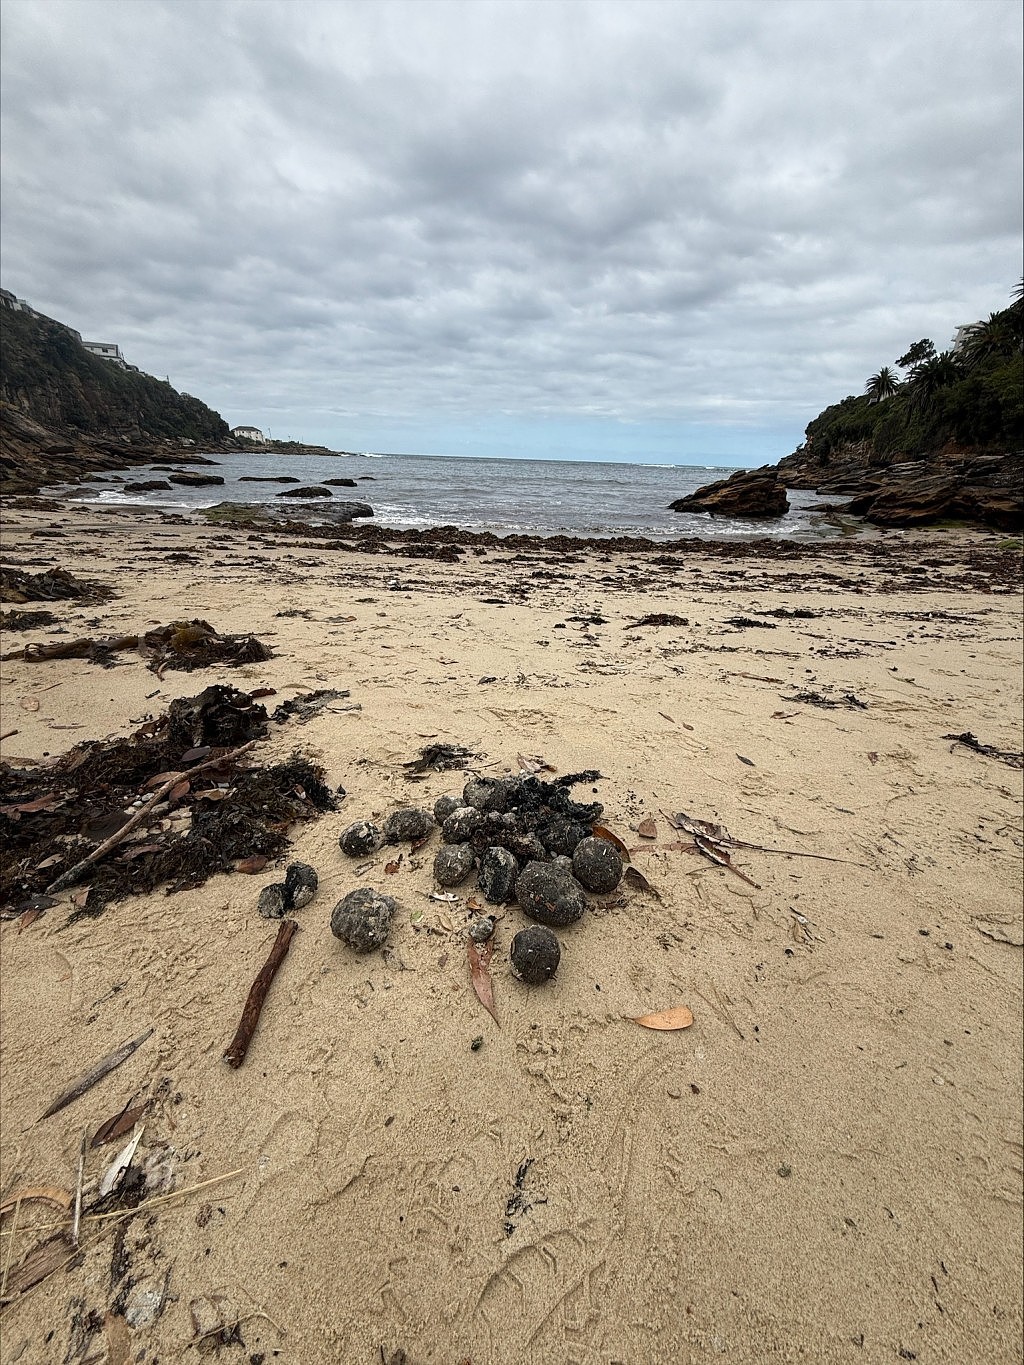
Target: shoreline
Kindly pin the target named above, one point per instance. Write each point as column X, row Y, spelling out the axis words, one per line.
column 822, row 1167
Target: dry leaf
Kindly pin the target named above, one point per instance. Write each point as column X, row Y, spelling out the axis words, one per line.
column 647, row 829
column 600, row 832
column 718, row 855
column 80, row 896
column 212, row 794
column 50, row 1193
column 139, row 850
column 668, row 718
column 160, row 779
column 632, row 877
column 784, row 715
column 40, row 1262
column 392, row 868
column 263, row 692
column 49, row 801
column 29, row 917
column 418, row 843
column 113, row 1128
column 685, row 726
column 479, row 970
column 117, row 1168
column 474, row 903
column 179, row 790
column 191, row 755
column 96, row 1072
column 677, row 1018
column 256, row 863
column 872, row 757
column 30, row 703
column 748, row 761
column 118, row 1339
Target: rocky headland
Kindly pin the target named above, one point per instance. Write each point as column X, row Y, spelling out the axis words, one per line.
column 941, row 441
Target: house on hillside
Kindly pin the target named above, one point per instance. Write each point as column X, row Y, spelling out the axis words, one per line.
column 249, row 434
column 108, row 350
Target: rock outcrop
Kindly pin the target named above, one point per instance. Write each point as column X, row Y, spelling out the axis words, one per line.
column 753, row 494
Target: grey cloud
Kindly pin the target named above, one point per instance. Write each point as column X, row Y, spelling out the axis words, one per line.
column 692, row 213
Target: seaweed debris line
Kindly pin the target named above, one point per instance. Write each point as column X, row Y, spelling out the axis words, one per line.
column 175, row 802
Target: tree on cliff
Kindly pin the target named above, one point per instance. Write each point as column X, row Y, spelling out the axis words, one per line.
column 920, row 351
column 882, row 385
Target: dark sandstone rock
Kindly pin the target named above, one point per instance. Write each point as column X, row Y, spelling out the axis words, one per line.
column 363, row 919
column 339, row 483
column 407, row 825
column 453, row 863
column 268, row 478
column 307, row 491
column 535, row 954
column 444, row 805
column 148, row 486
column 549, row 895
column 360, row 838
column 461, row 825
column 597, row 865
column 300, row 884
column 196, row 480
column 271, row 902
column 498, row 872
column 750, row 493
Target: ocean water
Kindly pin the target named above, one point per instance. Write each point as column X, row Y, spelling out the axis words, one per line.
column 535, row 497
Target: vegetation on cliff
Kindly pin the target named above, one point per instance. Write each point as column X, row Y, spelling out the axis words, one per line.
column 971, row 397
column 47, row 374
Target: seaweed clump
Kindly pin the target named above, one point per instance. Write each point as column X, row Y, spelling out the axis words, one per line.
column 215, row 808
column 53, row 585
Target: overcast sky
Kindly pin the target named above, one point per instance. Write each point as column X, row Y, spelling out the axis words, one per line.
column 603, row 228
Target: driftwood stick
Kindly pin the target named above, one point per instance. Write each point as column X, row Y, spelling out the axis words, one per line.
column 72, row 875
column 76, row 1223
column 234, row 1053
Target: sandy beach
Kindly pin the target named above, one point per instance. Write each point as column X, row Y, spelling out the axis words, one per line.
column 826, row 1167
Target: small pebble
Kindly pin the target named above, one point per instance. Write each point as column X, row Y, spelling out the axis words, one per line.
column 535, row 955
column 477, row 1043
column 406, row 826
column 549, row 895
column 453, row 863
column 597, row 865
column 481, row 929
column 498, row 873
column 360, row 838
column 300, row 884
column 363, row 919
column 271, row 903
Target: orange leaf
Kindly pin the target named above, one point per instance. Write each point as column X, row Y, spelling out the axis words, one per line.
column 647, row 829
column 599, row 832
column 179, row 790
column 680, row 1017
column 256, row 863
column 392, row 868
column 50, row 1193
column 479, row 965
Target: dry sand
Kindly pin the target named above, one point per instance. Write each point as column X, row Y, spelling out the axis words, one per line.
column 825, row 1167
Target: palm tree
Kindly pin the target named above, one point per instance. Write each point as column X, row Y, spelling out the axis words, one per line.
column 938, row 372
column 997, row 336
column 882, row 385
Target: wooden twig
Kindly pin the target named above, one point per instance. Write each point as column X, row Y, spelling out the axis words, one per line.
column 8, row 733
column 96, row 1073
column 72, row 875
column 234, row 1053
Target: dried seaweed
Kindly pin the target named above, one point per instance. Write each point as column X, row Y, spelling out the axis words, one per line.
column 53, row 585
column 440, row 758
column 26, row 620
column 233, row 813
column 181, row 646
column 1011, row 757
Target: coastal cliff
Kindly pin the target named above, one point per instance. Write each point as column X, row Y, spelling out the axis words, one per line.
column 64, row 411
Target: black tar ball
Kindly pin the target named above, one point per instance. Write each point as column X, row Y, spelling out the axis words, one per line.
column 597, row 865
column 535, row 955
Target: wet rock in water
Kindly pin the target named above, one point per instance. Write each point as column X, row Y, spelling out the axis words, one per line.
column 453, row 863
column 148, row 486
column 300, row 884
column 597, row 865
column 535, row 955
column 461, row 825
column 444, row 805
column 271, row 903
column 481, row 929
column 498, row 873
column 549, row 895
column 561, row 834
column 363, row 919
column 360, row 838
column 407, row 825
column 479, row 791
column 310, row 491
